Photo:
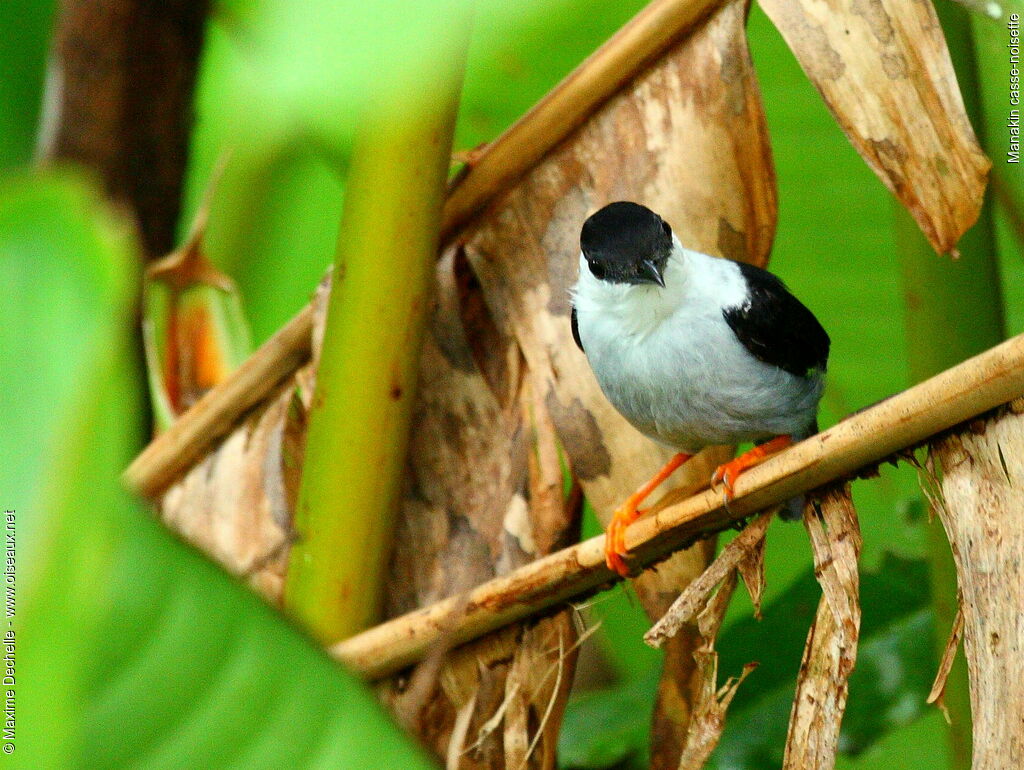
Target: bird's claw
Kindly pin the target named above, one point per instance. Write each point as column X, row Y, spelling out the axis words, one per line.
column 726, row 475
column 615, row 538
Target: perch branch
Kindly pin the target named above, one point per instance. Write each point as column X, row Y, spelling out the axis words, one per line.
column 498, row 166
column 866, row 438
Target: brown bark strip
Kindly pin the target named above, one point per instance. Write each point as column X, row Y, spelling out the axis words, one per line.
column 695, row 597
column 831, row 649
column 120, row 102
column 710, row 708
column 938, row 690
column 884, row 71
column 751, row 569
column 712, row 701
column 983, row 489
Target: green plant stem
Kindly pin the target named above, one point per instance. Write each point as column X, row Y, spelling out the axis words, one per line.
column 954, row 309
column 359, row 422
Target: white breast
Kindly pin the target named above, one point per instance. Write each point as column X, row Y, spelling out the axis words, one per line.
column 669, row 362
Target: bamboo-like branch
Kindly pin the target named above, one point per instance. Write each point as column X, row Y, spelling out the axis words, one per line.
column 866, row 438
column 358, row 435
column 497, row 167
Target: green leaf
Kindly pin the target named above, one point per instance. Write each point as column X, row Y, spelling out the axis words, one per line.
column 609, row 727
column 131, row 648
column 63, row 260
column 204, row 672
column 25, row 29
column 67, row 264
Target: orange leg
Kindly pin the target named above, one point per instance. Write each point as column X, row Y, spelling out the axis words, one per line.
column 628, row 512
column 728, row 473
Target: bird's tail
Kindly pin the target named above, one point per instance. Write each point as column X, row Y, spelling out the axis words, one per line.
column 793, row 508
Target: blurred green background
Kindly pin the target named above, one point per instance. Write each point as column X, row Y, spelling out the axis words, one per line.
column 276, row 87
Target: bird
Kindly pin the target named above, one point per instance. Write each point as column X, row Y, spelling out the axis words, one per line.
column 692, row 350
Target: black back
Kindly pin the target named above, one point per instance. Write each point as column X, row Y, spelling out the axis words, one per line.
column 776, row 327
column 576, row 329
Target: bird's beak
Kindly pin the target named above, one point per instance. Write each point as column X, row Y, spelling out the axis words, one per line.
column 650, row 271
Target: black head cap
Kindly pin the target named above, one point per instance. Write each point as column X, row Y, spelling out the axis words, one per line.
column 627, row 243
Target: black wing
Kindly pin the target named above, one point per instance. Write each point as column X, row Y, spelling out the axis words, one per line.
column 776, row 327
column 576, row 329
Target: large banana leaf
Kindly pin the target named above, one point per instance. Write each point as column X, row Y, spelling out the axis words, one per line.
column 131, row 648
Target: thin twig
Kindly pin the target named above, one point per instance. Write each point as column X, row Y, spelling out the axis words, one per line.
column 949, row 398
column 560, row 663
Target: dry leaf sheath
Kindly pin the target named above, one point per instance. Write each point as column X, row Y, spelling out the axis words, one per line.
column 831, row 649
column 983, row 490
column 712, row 701
column 501, row 163
column 885, row 73
column 956, row 633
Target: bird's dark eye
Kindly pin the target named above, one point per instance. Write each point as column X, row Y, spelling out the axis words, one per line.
column 597, row 269
column 666, row 228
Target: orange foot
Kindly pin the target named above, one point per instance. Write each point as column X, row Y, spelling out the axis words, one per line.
column 728, row 473
column 628, row 512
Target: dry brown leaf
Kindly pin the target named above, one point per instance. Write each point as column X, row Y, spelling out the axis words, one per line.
column 883, row 68
column 709, row 710
column 751, row 569
column 707, row 719
column 237, row 503
column 983, row 490
column 712, row 701
column 693, row 600
column 688, row 138
column 938, row 691
column 831, row 648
